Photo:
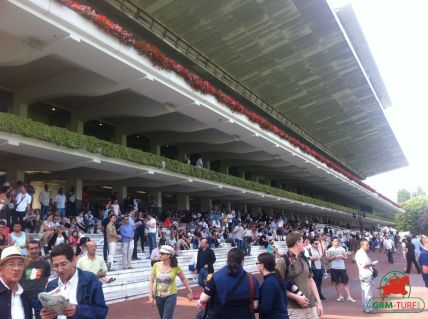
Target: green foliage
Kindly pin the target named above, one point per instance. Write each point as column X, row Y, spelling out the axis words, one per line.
column 410, row 220
column 65, row 138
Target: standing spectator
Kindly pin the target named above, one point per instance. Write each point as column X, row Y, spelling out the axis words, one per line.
column 314, row 255
column 411, row 256
column 36, row 276
column 303, row 298
column 417, row 243
column 353, row 245
column 104, row 224
column 423, row 259
column 388, row 244
column 94, row 264
column 14, row 302
column 230, row 289
column 60, row 201
column 365, row 268
column 204, row 262
column 19, row 238
column 86, row 198
column 165, row 290
column 71, row 202
column 127, row 234
column 273, row 302
column 115, row 207
column 151, row 232
column 112, row 238
column 239, row 233
column 140, row 228
column 82, row 288
column 337, row 256
column 44, row 200
column 23, row 205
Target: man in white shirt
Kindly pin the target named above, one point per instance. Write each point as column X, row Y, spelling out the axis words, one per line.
column 337, row 256
column 44, row 200
column 365, row 268
column 151, row 232
column 81, row 288
column 388, row 244
column 60, row 200
column 314, row 254
column 23, row 205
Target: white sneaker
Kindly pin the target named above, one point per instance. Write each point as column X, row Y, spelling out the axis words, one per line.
column 340, row 299
column 351, row 300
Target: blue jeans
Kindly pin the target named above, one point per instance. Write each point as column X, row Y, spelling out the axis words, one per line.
column 61, row 212
column 195, row 243
column 44, row 212
column 166, row 306
column 152, row 241
column 36, row 305
column 203, row 274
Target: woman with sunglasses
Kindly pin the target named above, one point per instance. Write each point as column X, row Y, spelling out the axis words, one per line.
column 272, row 302
column 162, row 282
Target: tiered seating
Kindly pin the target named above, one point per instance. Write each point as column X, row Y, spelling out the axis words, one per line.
column 133, row 283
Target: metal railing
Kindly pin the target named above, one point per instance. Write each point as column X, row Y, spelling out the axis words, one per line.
column 150, row 23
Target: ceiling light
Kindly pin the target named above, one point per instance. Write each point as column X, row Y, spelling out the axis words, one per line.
column 53, row 109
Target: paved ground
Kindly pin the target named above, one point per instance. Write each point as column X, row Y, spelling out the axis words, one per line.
column 140, row 308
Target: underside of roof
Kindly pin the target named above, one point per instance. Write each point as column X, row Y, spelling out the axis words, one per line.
column 295, row 56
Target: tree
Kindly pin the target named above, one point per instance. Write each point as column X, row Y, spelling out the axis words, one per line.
column 423, row 222
column 419, row 192
column 403, row 195
column 410, row 219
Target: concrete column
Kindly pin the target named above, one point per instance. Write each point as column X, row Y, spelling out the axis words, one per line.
column 182, row 155
column 120, row 137
column 224, row 168
column 155, row 149
column 155, row 201
column 76, row 124
column 77, row 184
column 229, row 206
column 270, row 211
column 122, row 192
column 207, row 164
column 206, row 204
column 14, row 175
column 20, row 108
column 183, row 202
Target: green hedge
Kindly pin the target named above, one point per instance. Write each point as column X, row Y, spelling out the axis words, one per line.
column 63, row 137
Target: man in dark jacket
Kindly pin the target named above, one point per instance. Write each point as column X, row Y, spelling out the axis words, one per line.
column 14, row 302
column 204, row 262
column 82, row 289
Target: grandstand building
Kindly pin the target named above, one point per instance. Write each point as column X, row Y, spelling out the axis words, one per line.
column 282, row 100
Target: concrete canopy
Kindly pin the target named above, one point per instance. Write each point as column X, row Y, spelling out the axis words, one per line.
column 294, row 55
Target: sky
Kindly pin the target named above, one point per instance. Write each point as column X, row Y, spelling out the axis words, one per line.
column 397, row 34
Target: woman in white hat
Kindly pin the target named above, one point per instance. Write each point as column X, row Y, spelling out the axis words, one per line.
column 162, row 282
column 14, row 303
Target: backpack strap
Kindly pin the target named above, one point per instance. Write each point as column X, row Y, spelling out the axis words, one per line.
column 250, row 278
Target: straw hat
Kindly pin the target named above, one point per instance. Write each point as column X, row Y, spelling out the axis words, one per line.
column 13, row 252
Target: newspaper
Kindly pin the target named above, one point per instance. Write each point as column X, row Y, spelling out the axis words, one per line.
column 54, row 301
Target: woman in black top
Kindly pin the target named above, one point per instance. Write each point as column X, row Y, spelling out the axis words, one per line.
column 411, row 257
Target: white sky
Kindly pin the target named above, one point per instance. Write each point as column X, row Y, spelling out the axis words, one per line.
column 397, row 34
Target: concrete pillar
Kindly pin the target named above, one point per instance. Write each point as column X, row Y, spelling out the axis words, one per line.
column 224, row 168
column 270, row 211
column 14, row 175
column 229, row 206
column 207, row 164
column 76, row 124
column 120, row 137
column 77, row 184
column 155, row 149
column 121, row 190
column 206, row 204
column 183, row 202
column 155, row 202
column 20, row 108
column 182, row 155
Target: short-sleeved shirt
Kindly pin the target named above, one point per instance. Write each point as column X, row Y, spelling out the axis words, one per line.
column 22, row 202
column 60, row 200
column 337, row 251
column 111, row 228
column 35, row 277
column 361, row 258
column 92, row 265
column 218, row 286
column 423, row 261
column 164, row 281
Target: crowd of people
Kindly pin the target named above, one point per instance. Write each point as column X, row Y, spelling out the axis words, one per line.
column 292, row 282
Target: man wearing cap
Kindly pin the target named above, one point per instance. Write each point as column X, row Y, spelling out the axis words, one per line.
column 14, row 302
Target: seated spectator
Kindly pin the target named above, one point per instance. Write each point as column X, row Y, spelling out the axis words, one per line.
column 74, row 238
column 91, row 223
column 155, row 255
column 59, row 237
